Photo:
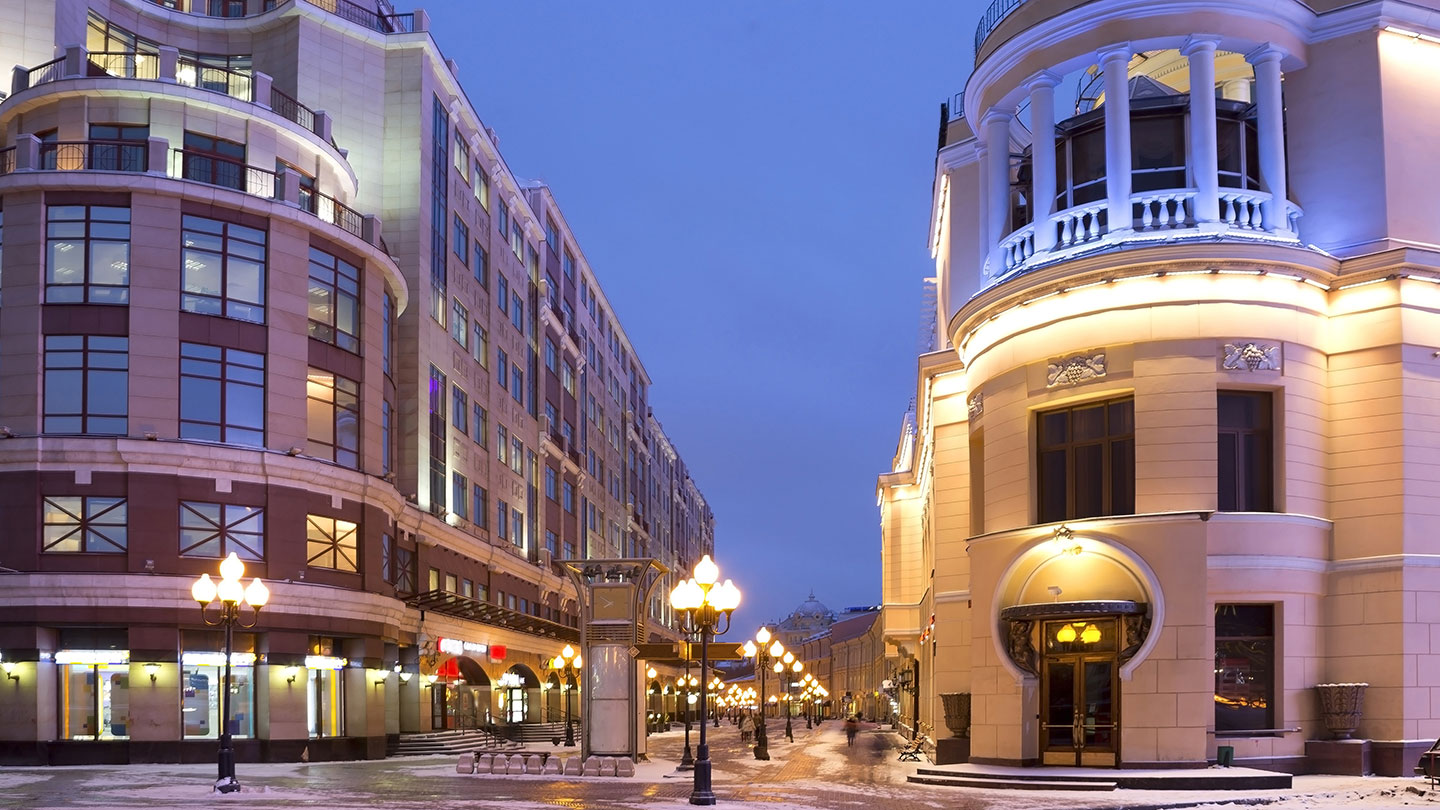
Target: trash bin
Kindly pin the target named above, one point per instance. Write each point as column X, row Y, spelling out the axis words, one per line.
column 1225, row 755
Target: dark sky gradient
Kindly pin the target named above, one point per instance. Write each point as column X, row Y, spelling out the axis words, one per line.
column 751, row 182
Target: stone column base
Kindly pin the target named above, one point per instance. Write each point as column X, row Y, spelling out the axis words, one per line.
column 952, row 750
column 1341, row 757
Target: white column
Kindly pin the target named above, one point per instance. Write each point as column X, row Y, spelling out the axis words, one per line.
column 1204, row 163
column 1042, row 157
column 1115, row 63
column 996, row 126
column 983, row 193
column 1270, row 127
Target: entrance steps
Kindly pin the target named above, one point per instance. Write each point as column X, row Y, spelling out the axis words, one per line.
column 994, row 777
column 449, row 743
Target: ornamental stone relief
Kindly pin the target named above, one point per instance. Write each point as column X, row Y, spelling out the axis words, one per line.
column 1251, row 357
column 976, row 404
column 1075, row 369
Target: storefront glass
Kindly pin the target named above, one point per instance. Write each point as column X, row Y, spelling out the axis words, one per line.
column 201, row 694
column 94, row 694
column 325, row 698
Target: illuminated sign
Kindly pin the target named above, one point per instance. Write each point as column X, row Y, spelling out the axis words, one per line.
column 324, row 662
column 92, row 657
column 497, row 652
column 215, row 659
column 454, row 646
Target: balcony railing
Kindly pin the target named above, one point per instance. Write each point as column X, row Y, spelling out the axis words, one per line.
column 233, row 83
column 48, row 72
column 124, row 64
column 998, row 10
column 213, row 170
column 334, row 212
column 292, row 110
column 95, row 155
column 361, row 15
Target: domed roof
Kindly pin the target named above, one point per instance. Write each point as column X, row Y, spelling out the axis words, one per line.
column 811, row 607
column 810, row 615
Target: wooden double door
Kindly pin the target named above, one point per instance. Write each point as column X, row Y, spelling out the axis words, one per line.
column 1080, row 694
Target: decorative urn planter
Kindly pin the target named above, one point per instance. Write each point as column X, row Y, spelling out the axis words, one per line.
column 1340, row 707
column 957, row 712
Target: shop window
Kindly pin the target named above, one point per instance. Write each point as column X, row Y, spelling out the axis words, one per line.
column 216, row 530
column 325, row 702
column 334, row 301
column 333, row 418
column 87, row 254
column 1246, row 478
column 222, row 395
column 1244, row 668
column 85, row 524
column 331, row 543
column 202, row 679
column 1086, row 461
column 222, row 269
column 94, row 694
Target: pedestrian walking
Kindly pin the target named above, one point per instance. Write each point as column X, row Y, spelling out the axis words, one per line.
column 852, row 727
column 745, row 726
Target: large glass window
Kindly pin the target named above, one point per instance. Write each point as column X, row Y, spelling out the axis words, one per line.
column 217, row 529
column 331, row 543
column 95, row 699
column 439, row 434
column 334, row 300
column 202, row 678
column 75, row 523
column 325, row 703
column 1244, row 667
column 332, row 418
column 1246, row 478
column 459, row 490
column 222, row 395
column 1086, row 463
column 87, row 250
column 86, row 384
column 216, row 161
column 460, row 409
column 1157, row 149
column 223, row 269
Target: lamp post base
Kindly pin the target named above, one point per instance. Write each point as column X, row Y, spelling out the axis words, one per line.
column 687, row 760
column 702, row 794
column 226, row 784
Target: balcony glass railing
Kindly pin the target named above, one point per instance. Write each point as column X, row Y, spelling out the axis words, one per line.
column 95, row 155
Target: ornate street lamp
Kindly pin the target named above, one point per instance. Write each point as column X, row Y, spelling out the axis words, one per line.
column 704, row 604
column 231, row 595
column 688, row 682
column 652, row 724
column 564, row 662
column 763, row 657
column 715, row 697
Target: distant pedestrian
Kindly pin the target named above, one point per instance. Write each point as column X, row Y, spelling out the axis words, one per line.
column 745, row 728
column 852, row 727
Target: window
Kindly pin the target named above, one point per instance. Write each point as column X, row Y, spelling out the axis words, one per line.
column 1244, row 667
column 331, row 543
column 467, row 589
column 216, row 529
column 517, row 311
column 87, row 250
column 502, row 519
column 502, row 221
column 480, row 506
column 517, row 384
column 567, row 501
column 405, row 570
column 387, row 331
column 434, row 579
column 480, row 345
column 1246, row 477
column 482, row 266
column 223, row 269
column 387, row 438
column 462, row 156
column 551, row 478
column 218, row 162
column 332, row 418
column 567, row 377
column 552, row 543
column 459, row 323
column 552, row 235
column 482, row 187
column 502, row 287
column 439, row 435
column 85, row 524
column 551, row 356
column 517, row 239
column 482, row 426
column 461, row 240
column 1086, row 464
column 502, row 362
column 517, row 454
column 460, row 409
column 502, row 444
column 567, row 264
column 86, row 384
column 334, row 301
column 459, row 489
column 552, row 417
column 222, row 395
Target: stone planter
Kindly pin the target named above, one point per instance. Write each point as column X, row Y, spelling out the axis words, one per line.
column 1340, row 707
column 957, row 712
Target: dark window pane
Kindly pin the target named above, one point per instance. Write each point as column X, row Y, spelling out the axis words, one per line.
column 1089, row 481
column 1054, row 428
column 1052, row 486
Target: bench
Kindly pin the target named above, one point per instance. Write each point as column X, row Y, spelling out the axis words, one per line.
column 912, row 752
column 1429, row 764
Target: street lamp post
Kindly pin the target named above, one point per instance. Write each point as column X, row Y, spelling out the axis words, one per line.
column 715, row 698
column 563, row 662
column 652, row 725
column 231, row 595
column 784, row 669
column 704, row 604
column 687, row 761
column 763, row 656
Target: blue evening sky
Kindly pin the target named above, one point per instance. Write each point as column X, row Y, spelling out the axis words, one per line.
column 751, row 182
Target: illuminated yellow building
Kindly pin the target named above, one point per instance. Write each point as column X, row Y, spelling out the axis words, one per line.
column 1174, row 461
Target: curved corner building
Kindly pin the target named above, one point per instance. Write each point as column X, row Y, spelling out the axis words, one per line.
column 209, row 343
column 1174, row 464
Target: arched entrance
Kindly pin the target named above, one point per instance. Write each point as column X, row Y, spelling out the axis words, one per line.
column 460, row 695
column 1074, row 612
column 520, row 700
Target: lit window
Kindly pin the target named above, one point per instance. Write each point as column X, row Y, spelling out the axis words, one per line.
column 223, row 269
column 87, row 251
column 332, row 418
column 331, row 543
column 334, row 301
column 85, row 524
